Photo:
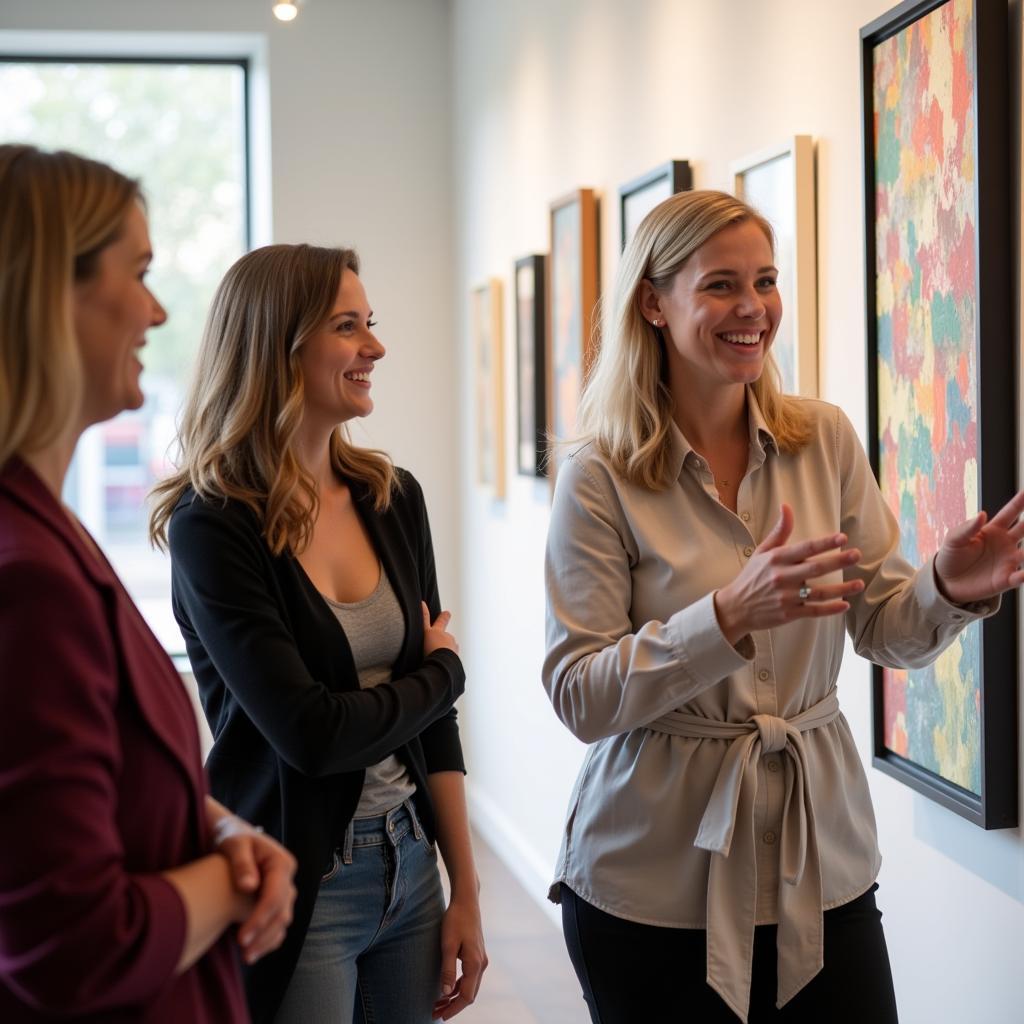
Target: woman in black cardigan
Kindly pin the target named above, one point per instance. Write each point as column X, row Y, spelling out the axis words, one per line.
column 305, row 588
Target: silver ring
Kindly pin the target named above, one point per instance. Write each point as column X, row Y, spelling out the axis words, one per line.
column 804, row 592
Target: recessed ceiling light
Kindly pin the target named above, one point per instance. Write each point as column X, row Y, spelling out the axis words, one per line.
column 286, row 11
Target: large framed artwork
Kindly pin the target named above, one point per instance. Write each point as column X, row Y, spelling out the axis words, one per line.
column 486, row 322
column 779, row 183
column 531, row 393
column 940, row 389
column 641, row 195
column 573, row 289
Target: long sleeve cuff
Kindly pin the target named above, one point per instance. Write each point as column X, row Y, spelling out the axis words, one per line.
column 701, row 646
column 941, row 612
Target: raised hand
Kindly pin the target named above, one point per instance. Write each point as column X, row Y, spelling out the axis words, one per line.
column 436, row 635
column 775, row 586
column 980, row 558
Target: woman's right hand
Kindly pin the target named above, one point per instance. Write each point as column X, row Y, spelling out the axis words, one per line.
column 436, row 635
column 766, row 592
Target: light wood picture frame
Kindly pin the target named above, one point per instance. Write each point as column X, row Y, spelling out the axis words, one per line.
column 489, row 384
column 780, row 184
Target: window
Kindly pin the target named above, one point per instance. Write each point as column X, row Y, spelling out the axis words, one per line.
column 180, row 126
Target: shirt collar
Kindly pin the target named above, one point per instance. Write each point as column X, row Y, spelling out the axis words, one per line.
column 761, row 436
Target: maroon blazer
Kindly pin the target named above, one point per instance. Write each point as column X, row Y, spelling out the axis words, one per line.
column 101, row 789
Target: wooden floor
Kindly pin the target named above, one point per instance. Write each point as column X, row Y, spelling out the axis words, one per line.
column 530, row 979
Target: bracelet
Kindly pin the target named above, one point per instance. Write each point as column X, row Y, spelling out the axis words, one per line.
column 232, row 825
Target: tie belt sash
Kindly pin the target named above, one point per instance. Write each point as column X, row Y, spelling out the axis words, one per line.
column 727, row 831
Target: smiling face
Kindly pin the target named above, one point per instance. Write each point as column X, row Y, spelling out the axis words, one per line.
column 721, row 310
column 112, row 309
column 338, row 359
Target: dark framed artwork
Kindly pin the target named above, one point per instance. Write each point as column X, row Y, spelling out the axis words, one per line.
column 485, row 324
column 531, row 393
column 572, row 292
column 941, row 419
column 641, row 195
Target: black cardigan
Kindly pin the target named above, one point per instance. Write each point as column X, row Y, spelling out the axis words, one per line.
column 293, row 732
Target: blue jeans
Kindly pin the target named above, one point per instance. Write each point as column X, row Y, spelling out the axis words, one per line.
column 372, row 954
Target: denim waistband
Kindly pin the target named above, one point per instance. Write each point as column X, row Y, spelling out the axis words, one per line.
column 391, row 828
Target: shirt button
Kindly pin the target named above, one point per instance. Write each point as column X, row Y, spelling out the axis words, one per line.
column 773, row 766
column 391, row 826
column 763, row 674
column 745, row 516
column 748, row 551
column 769, row 838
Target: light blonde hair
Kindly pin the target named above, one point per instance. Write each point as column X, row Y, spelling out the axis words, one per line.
column 58, row 211
column 626, row 406
column 246, row 399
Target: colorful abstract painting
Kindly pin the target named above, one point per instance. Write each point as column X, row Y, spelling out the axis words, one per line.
column 926, row 245
column 573, row 268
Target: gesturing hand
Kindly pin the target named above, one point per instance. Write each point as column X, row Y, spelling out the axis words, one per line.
column 436, row 635
column 980, row 559
column 767, row 591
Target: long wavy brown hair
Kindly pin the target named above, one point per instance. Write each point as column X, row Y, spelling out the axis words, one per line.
column 246, row 399
column 627, row 406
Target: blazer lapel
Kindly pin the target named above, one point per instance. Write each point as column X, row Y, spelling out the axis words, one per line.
column 155, row 683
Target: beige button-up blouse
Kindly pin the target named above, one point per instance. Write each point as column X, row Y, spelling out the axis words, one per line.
column 722, row 786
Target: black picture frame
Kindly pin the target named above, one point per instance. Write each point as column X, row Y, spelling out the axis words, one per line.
column 649, row 189
column 531, row 363
column 994, row 804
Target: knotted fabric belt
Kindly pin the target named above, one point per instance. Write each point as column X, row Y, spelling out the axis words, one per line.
column 727, row 828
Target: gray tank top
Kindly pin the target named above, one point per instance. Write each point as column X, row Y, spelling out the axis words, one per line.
column 375, row 630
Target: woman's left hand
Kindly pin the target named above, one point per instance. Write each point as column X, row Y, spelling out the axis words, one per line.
column 263, row 867
column 980, row 559
column 462, row 938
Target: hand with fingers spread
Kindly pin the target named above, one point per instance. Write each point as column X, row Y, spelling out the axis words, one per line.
column 981, row 558
column 777, row 584
column 436, row 635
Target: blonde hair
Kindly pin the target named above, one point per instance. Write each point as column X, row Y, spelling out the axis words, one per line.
column 626, row 406
column 245, row 402
column 58, row 211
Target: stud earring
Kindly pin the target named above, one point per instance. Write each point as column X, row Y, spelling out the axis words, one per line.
column 658, row 323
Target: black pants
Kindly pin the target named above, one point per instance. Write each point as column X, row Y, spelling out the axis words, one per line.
column 642, row 974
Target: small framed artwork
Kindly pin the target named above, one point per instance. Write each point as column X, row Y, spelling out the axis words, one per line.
column 573, row 287
column 531, row 393
column 941, row 406
column 779, row 184
column 489, row 385
column 641, row 195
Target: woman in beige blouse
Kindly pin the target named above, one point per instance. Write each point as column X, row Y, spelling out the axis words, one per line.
column 708, row 543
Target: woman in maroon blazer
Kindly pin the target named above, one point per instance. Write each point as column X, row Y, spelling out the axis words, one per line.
column 119, row 876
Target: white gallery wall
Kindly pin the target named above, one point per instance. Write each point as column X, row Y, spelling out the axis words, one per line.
column 550, row 97
column 433, row 134
column 356, row 95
